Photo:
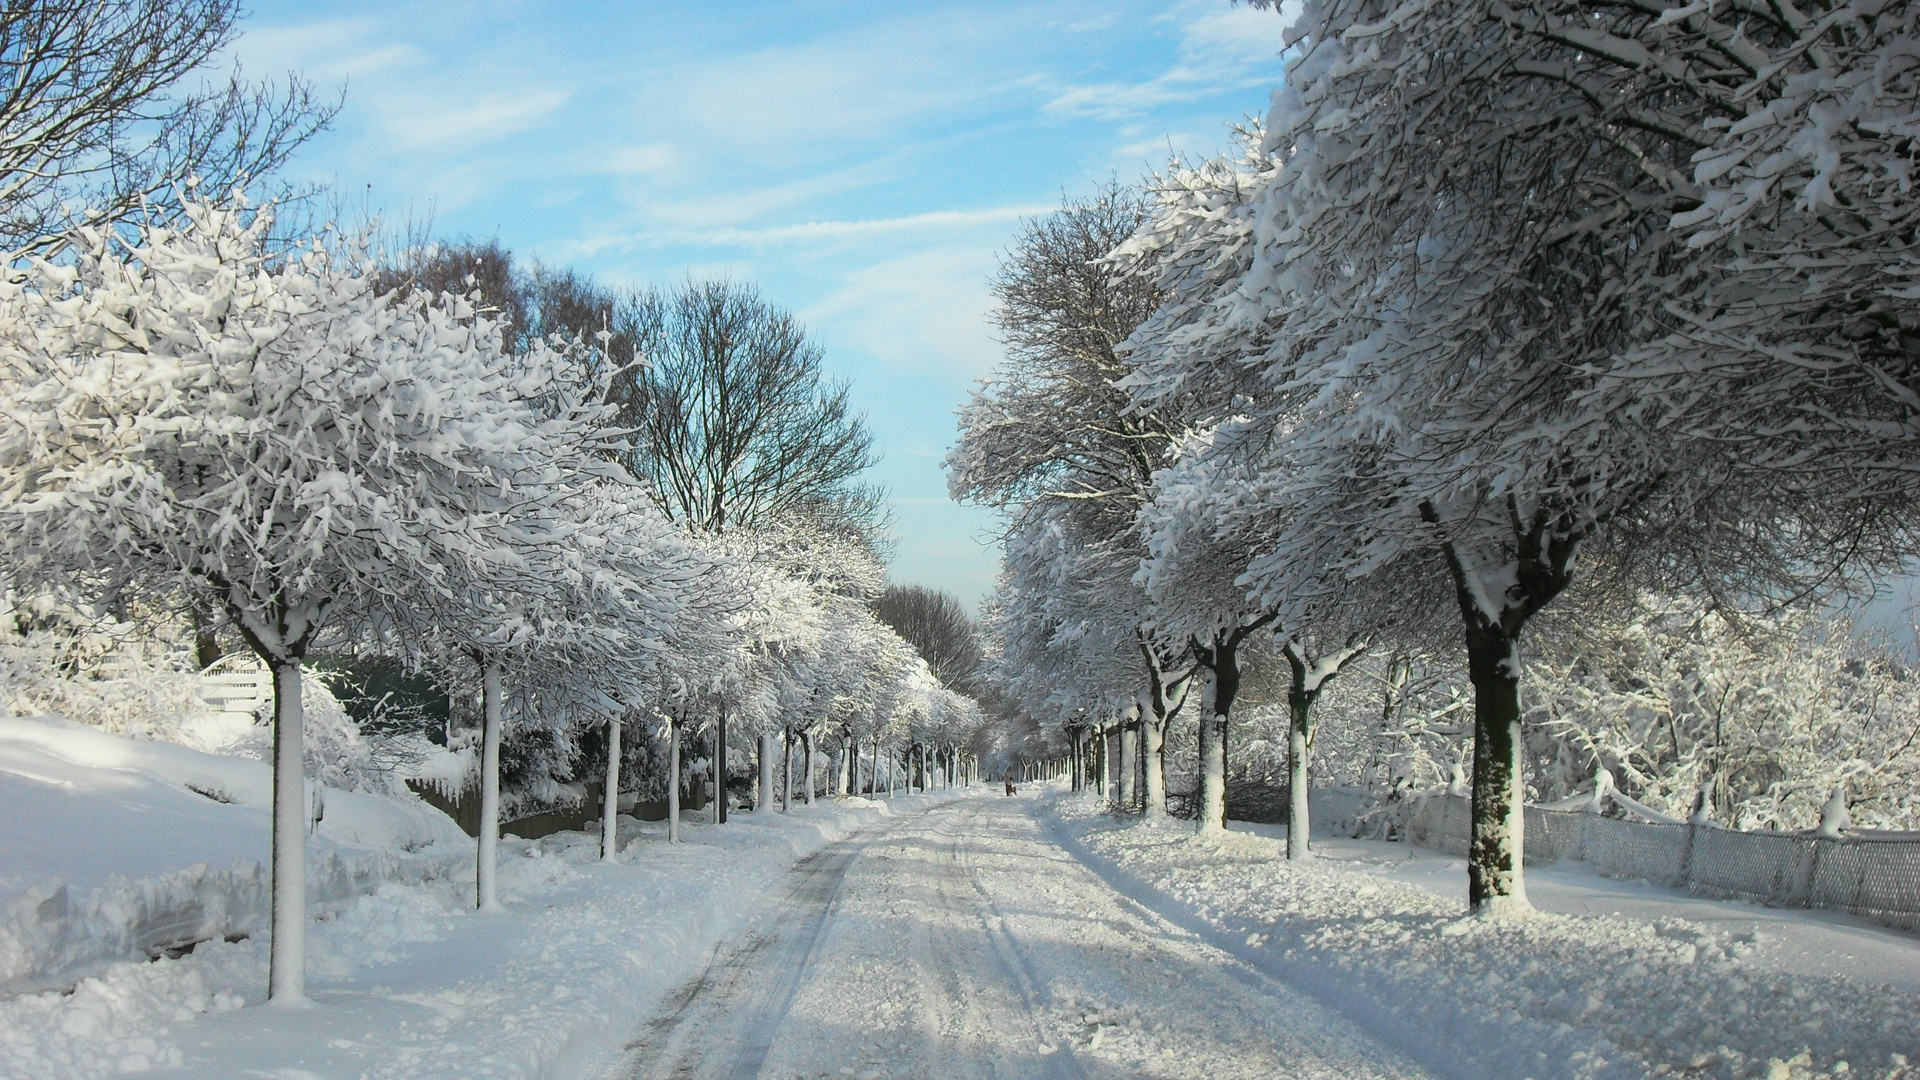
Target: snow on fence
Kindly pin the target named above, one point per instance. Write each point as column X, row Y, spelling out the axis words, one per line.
column 237, row 685
column 1873, row 875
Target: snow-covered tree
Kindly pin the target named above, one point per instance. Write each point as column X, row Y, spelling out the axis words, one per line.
column 1053, row 439
column 1402, row 293
column 1767, row 717
column 275, row 434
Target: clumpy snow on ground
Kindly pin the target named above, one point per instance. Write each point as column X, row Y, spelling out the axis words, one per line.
column 1546, row 996
column 117, row 849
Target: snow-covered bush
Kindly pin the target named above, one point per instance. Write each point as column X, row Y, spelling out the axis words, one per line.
column 337, row 753
column 1773, row 715
column 99, row 671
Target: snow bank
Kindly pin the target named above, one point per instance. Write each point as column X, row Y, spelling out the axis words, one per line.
column 112, row 856
column 1549, row 995
column 118, row 849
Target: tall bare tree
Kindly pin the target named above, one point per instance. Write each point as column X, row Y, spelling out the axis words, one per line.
column 100, row 116
column 1051, row 424
column 937, row 625
column 464, row 268
column 735, row 423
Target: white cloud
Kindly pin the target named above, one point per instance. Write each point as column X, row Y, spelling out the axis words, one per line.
column 808, row 232
column 456, row 121
column 328, row 50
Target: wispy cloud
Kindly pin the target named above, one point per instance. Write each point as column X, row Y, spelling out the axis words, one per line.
column 1219, row 50
column 811, row 231
column 927, row 311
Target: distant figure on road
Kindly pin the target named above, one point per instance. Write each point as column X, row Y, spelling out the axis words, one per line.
column 1010, row 788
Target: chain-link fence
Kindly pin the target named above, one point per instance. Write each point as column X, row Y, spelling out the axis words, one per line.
column 1876, row 875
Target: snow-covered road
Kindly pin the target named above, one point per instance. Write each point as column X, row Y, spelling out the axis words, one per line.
column 965, row 942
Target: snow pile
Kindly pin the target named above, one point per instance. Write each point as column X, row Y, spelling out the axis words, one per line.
column 124, row 849
column 1548, row 995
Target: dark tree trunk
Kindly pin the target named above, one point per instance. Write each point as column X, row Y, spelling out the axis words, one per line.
column 1499, row 818
column 720, row 767
column 1540, row 559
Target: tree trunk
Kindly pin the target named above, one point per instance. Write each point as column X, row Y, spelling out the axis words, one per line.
column 764, row 803
column 890, row 781
column 786, row 770
column 1222, row 688
column 485, row 896
column 1496, row 882
column 873, row 769
column 1110, row 764
column 1538, row 568
column 1154, row 760
column 673, row 781
column 1298, row 836
column 720, row 768
column 1213, row 760
column 206, row 641
column 610, row 800
column 287, row 959
column 806, row 747
column 1129, row 758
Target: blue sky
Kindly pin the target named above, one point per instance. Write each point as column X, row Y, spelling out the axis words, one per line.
column 864, row 163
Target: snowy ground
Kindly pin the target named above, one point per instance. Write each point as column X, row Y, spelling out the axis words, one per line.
column 1670, row 986
column 971, row 936
column 1823, row 944
column 967, row 943
column 407, row 981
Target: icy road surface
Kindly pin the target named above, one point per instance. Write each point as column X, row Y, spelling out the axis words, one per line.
column 965, row 942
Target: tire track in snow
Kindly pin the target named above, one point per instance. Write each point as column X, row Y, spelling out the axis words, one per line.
column 965, row 901
column 721, row 1023
column 967, row 943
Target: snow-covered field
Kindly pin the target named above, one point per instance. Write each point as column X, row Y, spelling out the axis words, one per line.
column 1644, row 992
column 407, row 981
